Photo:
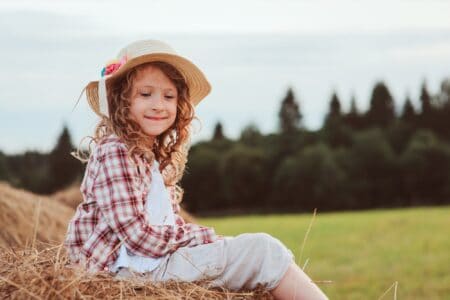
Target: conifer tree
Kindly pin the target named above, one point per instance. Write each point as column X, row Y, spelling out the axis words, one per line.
column 218, row 132
column 381, row 112
column 353, row 117
column 408, row 113
column 289, row 114
column 63, row 167
column 334, row 113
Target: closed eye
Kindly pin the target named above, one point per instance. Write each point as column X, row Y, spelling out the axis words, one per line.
column 147, row 95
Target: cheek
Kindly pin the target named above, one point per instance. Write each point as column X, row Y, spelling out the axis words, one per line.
column 133, row 113
column 136, row 107
column 173, row 111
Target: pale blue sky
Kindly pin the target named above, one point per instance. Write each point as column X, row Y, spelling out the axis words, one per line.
column 251, row 51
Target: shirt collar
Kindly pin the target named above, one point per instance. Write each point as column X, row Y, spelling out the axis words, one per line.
column 155, row 165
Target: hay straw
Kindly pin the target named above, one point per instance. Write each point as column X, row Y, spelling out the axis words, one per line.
column 36, row 222
column 305, row 238
column 394, row 285
column 46, row 274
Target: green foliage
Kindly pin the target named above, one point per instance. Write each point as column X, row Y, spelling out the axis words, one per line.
column 29, row 171
column 370, row 163
column 425, row 166
column 251, row 136
column 244, row 176
column 4, row 172
column 307, row 179
column 399, row 134
column 202, row 181
column 64, row 168
column 381, row 111
column 218, row 132
column 408, row 113
column 289, row 114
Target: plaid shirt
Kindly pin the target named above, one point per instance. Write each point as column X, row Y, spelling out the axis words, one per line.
column 113, row 210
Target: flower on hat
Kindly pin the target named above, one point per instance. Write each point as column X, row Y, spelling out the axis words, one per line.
column 113, row 66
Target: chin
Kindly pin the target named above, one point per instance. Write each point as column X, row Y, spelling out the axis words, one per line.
column 154, row 133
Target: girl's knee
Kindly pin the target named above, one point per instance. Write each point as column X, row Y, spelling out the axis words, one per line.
column 255, row 239
column 263, row 240
column 274, row 245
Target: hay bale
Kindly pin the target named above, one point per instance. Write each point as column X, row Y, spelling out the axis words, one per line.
column 26, row 217
column 29, row 273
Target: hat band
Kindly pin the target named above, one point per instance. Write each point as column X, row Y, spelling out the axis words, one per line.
column 102, row 98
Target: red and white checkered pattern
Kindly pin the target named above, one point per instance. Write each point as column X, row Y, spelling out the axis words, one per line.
column 113, row 210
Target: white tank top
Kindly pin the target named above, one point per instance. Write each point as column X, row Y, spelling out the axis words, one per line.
column 159, row 211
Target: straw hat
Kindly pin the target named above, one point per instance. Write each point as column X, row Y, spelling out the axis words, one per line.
column 140, row 52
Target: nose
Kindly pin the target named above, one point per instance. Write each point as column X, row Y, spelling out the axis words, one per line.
column 157, row 102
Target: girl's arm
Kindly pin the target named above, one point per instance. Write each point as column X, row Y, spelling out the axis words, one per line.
column 122, row 207
column 172, row 196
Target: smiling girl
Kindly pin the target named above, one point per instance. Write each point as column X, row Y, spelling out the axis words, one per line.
column 128, row 223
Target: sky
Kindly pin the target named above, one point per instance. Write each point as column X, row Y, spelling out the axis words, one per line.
column 250, row 51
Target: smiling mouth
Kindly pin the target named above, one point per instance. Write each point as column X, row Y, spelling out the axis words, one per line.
column 154, row 118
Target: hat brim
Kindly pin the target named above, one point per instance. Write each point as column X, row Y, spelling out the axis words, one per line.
column 199, row 87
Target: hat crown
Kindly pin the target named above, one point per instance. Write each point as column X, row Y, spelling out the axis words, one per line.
column 145, row 47
column 140, row 52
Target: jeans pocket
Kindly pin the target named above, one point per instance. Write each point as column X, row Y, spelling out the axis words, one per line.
column 205, row 261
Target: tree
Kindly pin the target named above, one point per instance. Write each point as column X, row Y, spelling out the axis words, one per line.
column 408, row 113
column 4, row 170
column 334, row 131
column 63, row 167
column 309, row 179
column 371, row 169
column 381, row 112
column 202, row 182
column 250, row 135
column 442, row 118
column 244, row 177
column 353, row 118
column 334, row 113
column 218, row 132
column 425, row 100
column 289, row 114
column 425, row 163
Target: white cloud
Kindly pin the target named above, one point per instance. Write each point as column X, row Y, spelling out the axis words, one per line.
column 251, row 16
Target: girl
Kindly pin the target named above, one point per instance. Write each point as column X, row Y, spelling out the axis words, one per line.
column 129, row 221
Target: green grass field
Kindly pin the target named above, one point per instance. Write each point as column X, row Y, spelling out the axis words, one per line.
column 363, row 253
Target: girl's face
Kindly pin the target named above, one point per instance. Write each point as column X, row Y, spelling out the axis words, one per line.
column 154, row 101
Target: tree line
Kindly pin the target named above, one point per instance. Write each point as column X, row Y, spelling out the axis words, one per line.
column 357, row 160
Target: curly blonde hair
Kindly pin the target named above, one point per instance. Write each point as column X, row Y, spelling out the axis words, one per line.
column 170, row 148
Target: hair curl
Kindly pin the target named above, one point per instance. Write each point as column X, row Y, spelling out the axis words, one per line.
column 170, row 148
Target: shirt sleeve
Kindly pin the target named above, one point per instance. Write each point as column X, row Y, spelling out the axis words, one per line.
column 175, row 206
column 121, row 204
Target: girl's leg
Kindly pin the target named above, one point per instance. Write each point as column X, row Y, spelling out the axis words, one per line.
column 297, row 285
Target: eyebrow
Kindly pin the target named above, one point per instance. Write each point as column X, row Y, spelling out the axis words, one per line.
column 167, row 89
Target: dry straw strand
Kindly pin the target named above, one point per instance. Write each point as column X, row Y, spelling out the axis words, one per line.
column 19, row 287
column 36, row 222
column 394, row 285
column 306, row 235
